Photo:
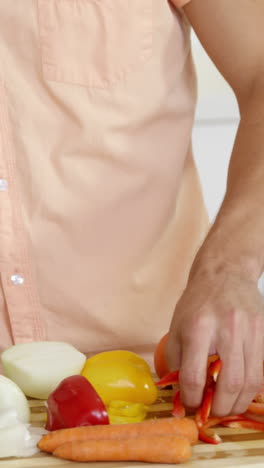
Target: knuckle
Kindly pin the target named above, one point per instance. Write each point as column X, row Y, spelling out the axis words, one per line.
column 197, row 325
column 233, row 320
column 235, row 316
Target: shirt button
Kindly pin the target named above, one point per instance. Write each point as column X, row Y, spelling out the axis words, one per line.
column 3, row 185
column 17, row 279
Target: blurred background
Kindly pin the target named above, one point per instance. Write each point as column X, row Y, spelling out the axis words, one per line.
column 215, row 128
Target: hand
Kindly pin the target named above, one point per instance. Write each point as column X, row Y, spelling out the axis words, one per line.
column 221, row 312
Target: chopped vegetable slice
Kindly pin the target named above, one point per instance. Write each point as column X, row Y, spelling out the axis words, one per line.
column 169, row 379
column 123, row 412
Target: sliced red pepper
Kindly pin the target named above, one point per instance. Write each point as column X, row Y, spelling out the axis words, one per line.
column 178, row 408
column 205, row 409
column 253, row 417
column 214, row 369
column 209, row 437
column 213, row 372
column 169, row 379
column 75, row 403
column 198, row 418
column 215, row 421
column 232, row 418
column 256, row 408
column 202, row 414
column 244, row 424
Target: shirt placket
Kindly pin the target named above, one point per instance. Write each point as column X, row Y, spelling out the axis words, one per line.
column 16, row 269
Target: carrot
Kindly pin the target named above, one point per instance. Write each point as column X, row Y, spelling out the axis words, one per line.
column 157, row 449
column 151, row 427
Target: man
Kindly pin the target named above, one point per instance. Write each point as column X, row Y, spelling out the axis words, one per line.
column 101, row 208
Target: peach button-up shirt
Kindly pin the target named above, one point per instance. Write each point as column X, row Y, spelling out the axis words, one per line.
column 101, row 211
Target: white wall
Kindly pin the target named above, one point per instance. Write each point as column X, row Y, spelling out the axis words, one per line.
column 215, row 128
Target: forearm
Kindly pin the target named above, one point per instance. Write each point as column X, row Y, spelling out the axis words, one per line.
column 221, row 310
column 232, row 35
column 237, row 237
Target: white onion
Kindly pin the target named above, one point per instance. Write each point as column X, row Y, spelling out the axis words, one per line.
column 13, row 441
column 11, row 397
column 8, row 417
column 17, row 439
column 39, row 367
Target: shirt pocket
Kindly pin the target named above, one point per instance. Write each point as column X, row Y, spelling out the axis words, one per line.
column 94, row 43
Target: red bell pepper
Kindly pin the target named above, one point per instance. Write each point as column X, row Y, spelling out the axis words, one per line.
column 75, row 403
column 209, row 437
column 203, row 413
column 169, row 379
column 214, row 369
column 244, row 423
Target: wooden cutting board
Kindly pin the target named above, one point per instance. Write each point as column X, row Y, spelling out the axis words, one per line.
column 240, row 448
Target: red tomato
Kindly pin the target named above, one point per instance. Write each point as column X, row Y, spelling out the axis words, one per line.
column 160, row 363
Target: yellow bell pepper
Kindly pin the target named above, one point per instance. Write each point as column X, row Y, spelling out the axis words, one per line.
column 123, row 412
column 121, row 375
